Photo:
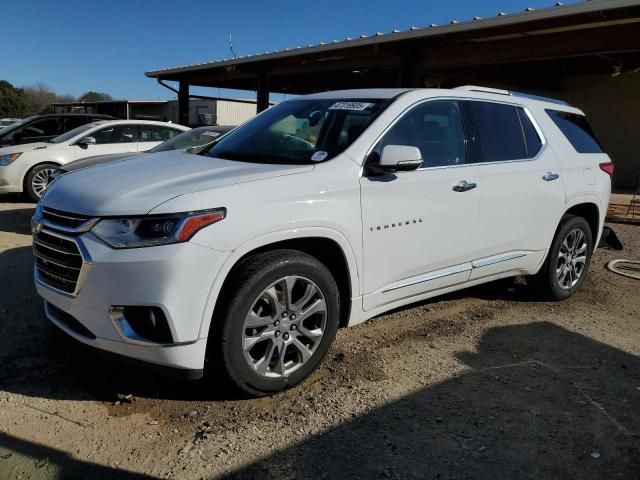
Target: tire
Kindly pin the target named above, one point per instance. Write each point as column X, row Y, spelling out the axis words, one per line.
column 37, row 180
column 261, row 342
column 559, row 279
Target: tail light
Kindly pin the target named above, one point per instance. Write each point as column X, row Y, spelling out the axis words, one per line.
column 607, row 168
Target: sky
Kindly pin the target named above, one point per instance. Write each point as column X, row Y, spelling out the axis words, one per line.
column 74, row 46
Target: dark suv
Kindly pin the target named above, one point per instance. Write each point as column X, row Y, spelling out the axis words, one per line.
column 41, row 128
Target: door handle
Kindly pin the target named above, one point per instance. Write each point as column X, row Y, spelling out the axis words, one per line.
column 464, row 186
column 550, row 176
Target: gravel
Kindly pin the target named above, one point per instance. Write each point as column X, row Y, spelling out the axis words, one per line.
column 484, row 383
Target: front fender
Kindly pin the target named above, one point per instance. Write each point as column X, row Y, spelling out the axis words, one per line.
column 269, row 239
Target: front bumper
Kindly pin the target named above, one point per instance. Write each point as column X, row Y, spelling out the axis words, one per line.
column 175, row 278
column 11, row 177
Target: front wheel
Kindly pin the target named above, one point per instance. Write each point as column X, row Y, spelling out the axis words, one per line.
column 568, row 260
column 278, row 321
column 38, row 179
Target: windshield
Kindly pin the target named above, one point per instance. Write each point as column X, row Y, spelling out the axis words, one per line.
column 13, row 126
column 300, row 131
column 72, row 133
column 197, row 137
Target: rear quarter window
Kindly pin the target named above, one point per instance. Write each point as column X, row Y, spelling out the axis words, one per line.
column 577, row 130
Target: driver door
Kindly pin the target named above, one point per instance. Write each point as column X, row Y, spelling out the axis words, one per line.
column 418, row 227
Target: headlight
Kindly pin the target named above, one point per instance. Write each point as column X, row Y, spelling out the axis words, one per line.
column 155, row 230
column 8, row 159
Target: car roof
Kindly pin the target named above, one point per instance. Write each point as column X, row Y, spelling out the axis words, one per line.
column 467, row 91
column 74, row 114
column 140, row 122
column 373, row 93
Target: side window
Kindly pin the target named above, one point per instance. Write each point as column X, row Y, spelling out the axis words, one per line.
column 577, row 130
column 74, row 122
column 156, row 133
column 115, row 134
column 46, row 127
column 435, row 128
column 532, row 140
column 499, row 136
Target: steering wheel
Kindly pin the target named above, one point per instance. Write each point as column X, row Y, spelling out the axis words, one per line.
column 292, row 138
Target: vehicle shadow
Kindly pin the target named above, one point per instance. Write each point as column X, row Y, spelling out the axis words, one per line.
column 23, row 459
column 15, row 198
column 568, row 408
column 16, row 220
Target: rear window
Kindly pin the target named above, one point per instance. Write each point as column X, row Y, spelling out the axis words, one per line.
column 577, row 130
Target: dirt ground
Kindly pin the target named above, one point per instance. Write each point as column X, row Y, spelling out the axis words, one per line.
column 486, row 383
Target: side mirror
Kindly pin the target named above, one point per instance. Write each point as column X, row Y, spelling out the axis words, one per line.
column 400, row 158
column 86, row 141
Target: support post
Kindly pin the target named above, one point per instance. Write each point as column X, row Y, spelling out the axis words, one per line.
column 410, row 73
column 263, row 92
column 183, row 103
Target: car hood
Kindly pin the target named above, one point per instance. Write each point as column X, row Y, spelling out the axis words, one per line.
column 26, row 147
column 137, row 185
column 97, row 160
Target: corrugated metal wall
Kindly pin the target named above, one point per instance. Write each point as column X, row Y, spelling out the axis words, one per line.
column 234, row 113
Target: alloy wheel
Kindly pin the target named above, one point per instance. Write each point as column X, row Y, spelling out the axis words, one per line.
column 41, row 180
column 572, row 259
column 284, row 326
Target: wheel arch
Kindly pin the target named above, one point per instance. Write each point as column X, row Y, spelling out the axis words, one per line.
column 30, row 169
column 328, row 245
column 590, row 211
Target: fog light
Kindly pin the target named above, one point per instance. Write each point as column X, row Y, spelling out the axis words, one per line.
column 141, row 324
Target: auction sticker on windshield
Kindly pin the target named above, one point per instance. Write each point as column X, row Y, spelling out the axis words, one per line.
column 352, row 106
column 319, row 156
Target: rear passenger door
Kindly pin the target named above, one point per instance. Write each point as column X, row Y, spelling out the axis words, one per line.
column 153, row 135
column 521, row 191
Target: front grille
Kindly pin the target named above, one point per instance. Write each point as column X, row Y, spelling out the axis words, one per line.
column 63, row 219
column 58, row 261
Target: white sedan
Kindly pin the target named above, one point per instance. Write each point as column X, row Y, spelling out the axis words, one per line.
column 27, row 168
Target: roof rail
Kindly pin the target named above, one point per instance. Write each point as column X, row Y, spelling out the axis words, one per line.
column 497, row 91
column 540, row 98
column 474, row 88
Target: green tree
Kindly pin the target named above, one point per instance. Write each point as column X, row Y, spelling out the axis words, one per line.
column 11, row 100
column 92, row 96
column 37, row 99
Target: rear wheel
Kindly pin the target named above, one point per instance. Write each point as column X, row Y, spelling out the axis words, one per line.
column 278, row 321
column 38, row 179
column 568, row 260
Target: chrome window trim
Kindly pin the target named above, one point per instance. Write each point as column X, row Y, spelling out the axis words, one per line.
column 87, row 262
column 536, row 126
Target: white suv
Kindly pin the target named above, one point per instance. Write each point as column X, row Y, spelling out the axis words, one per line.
column 323, row 211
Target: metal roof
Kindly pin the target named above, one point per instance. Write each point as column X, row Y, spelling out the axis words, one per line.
column 454, row 26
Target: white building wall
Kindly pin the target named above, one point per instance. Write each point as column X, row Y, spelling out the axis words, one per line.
column 234, row 113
